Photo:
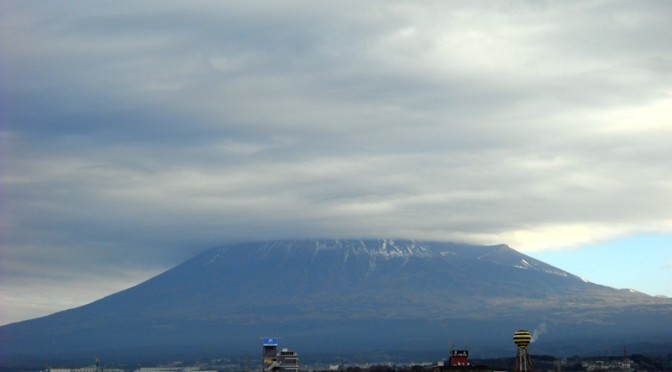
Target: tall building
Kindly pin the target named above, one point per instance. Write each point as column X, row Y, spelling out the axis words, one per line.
column 270, row 353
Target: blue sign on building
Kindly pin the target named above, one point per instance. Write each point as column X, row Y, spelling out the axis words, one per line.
column 271, row 341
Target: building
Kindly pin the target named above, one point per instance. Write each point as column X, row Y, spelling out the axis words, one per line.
column 459, row 361
column 284, row 361
column 94, row 368
column 459, row 358
column 288, row 361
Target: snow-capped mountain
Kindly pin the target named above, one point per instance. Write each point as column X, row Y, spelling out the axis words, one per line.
column 339, row 296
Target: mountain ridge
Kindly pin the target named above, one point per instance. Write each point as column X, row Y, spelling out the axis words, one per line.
column 356, row 293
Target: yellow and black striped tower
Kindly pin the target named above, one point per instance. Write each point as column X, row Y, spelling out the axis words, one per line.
column 523, row 363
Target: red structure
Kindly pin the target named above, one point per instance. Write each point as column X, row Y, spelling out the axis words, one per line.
column 459, row 362
column 459, row 358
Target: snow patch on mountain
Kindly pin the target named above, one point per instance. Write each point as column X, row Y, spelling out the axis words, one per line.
column 390, row 249
column 523, row 265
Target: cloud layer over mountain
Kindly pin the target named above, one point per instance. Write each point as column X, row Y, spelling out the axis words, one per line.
column 135, row 134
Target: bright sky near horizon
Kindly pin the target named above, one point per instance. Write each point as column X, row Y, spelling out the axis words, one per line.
column 136, row 134
column 642, row 263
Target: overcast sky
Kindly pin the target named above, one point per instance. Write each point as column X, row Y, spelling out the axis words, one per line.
column 136, row 134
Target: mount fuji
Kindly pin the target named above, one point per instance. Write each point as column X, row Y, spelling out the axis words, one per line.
column 334, row 297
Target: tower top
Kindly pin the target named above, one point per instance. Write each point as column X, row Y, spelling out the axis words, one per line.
column 522, row 338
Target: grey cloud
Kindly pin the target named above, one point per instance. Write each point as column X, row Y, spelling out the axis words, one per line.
column 135, row 135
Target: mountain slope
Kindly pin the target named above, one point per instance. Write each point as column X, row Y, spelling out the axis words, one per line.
column 341, row 296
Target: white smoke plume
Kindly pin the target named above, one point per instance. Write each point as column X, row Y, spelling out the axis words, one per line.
column 540, row 330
